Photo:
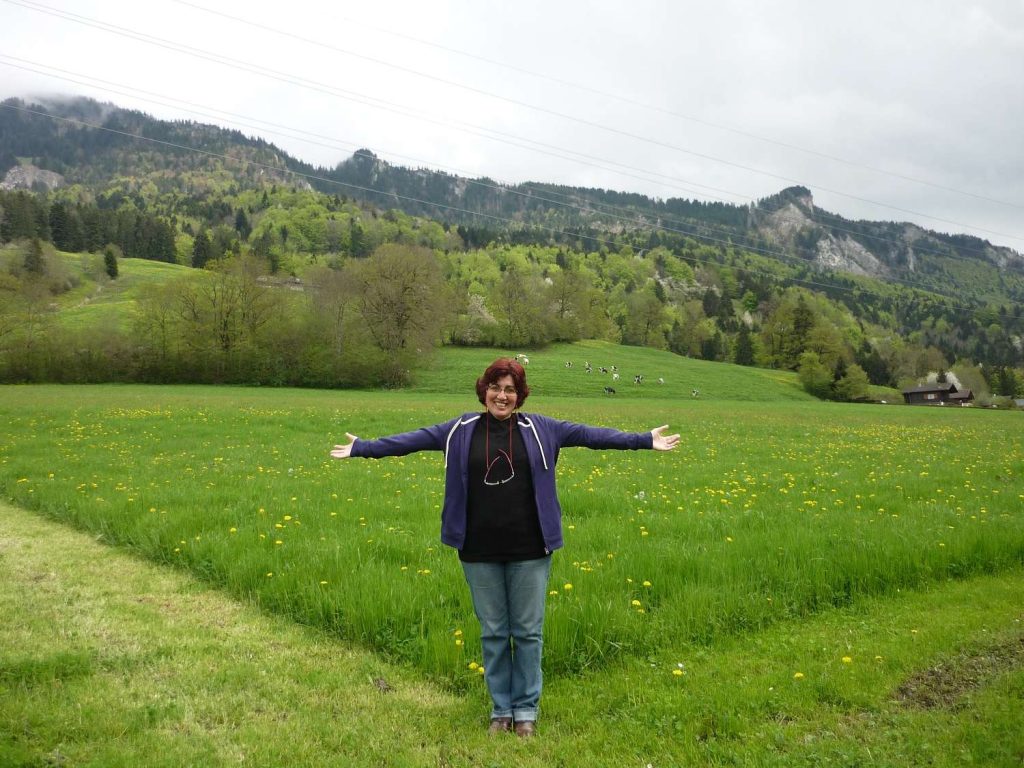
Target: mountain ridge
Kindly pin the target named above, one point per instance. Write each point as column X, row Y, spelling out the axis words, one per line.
column 787, row 224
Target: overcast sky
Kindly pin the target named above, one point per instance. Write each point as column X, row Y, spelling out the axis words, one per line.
column 904, row 111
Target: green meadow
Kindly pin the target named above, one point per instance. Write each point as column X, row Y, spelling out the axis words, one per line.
column 98, row 301
column 778, row 514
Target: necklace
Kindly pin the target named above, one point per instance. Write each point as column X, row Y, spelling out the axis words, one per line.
column 497, row 472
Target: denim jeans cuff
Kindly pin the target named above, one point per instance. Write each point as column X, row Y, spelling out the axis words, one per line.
column 525, row 715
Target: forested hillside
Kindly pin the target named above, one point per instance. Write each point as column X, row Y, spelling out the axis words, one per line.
column 350, row 276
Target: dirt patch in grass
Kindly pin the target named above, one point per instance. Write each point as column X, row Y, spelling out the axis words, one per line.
column 945, row 684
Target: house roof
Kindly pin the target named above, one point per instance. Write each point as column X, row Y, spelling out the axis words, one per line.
column 933, row 387
column 965, row 395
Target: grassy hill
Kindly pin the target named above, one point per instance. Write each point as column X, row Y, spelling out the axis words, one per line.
column 97, row 300
column 456, row 369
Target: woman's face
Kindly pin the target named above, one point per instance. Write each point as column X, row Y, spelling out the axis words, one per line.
column 501, row 398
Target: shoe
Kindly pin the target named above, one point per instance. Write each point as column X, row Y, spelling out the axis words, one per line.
column 526, row 728
column 500, row 725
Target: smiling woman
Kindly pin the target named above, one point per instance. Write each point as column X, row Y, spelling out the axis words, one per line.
column 501, row 512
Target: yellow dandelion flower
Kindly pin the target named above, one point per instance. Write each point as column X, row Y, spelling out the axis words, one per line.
column 636, row 603
column 677, row 672
column 458, row 641
column 847, row 660
column 481, row 670
column 473, row 665
column 270, row 574
column 647, row 583
column 798, row 675
column 323, row 583
column 567, row 586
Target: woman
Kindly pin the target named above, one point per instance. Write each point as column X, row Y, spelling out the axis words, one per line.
column 501, row 513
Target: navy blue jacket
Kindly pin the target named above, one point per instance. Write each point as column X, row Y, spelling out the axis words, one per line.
column 543, row 436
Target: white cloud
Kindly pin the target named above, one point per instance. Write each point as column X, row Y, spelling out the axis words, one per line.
column 928, row 90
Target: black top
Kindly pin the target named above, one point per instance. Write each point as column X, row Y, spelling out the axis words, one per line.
column 502, row 524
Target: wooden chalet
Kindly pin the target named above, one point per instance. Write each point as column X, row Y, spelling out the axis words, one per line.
column 937, row 394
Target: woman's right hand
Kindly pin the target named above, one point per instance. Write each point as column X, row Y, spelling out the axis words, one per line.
column 344, row 451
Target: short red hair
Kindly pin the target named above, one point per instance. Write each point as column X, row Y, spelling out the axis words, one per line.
column 504, row 366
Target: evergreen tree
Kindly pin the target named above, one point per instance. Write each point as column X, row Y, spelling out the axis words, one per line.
column 59, row 226
column 202, row 250
column 34, row 262
column 110, row 262
column 242, row 225
column 744, row 354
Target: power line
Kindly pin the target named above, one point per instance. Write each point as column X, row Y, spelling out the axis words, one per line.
column 644, row 105
column 297, row 80
column 307, row 176
column 628, row 217
column 513, row 140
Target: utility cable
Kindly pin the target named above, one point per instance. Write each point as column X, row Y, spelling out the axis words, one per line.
column 641, row 104
column 442, row 206
column 296, row 80
column 627, row 216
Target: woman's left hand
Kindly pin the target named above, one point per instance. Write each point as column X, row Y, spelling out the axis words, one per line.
column 663, row 442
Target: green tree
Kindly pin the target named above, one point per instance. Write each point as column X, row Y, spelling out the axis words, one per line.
column 517, row 301
column 110, row 262
column 242, row 226
column 646, row 320
column 814, row 376
column 854, row 385
column 398, row 298
column 744, row 352
column 202, row 250
column 749, row 301
column 34, row 261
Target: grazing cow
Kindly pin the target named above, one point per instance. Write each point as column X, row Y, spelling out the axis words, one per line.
column 588, row 367
column 638, row 379
column 695, row 393
column 609, row 391
column 568, row 363
column 523, row 359
column 602, row 369
column 615, row 369
column 615, row 377
column 661, row 380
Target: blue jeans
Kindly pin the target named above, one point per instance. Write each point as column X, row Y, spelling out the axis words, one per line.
column 508, row 599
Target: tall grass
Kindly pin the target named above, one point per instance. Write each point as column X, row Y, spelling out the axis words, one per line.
column 766, row 512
